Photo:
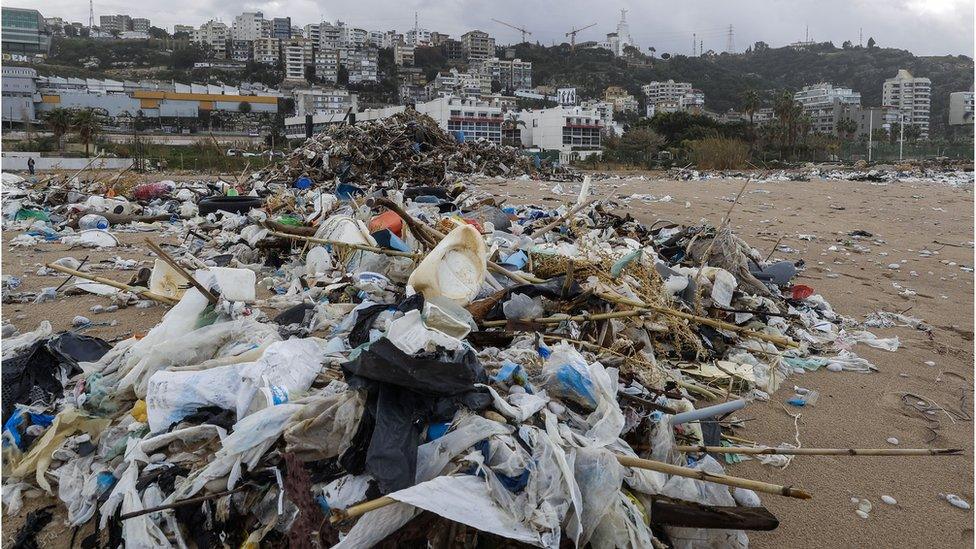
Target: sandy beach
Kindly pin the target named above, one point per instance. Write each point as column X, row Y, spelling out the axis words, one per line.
column 810, row 220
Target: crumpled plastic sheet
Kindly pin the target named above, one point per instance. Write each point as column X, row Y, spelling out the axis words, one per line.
column 325, row 426
column 66, row 423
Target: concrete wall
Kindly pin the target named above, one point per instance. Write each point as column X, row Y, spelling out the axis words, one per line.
column 17, row 161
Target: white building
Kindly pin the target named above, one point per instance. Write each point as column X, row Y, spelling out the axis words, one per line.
column 477, row 45
column 322, row 101
column 660, row 92
column 618, row 40
column 298, row 54
column 327, row 65
column 826, row 105
column 362, row 64
column 476, row 119
column 214, row 35
column 19, row 94
column 249, row 26
column 574, row 131
column 183, row 28
column 140, row 24
column 961, row 108
column 693, row 102
column 910, row 95
column 460, row 84
column 417, row 37
column 311, row 32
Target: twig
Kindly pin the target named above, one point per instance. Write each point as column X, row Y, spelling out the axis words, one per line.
column 747, row 450
column 80, row 265
column 182, row 503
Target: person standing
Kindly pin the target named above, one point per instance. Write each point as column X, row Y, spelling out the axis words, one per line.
column 30, row 164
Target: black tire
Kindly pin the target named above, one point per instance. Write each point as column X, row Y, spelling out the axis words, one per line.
column 232, row 204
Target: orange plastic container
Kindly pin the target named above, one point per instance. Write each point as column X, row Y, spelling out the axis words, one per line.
column 387, row 220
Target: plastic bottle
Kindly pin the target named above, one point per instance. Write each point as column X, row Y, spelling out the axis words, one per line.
column 93, row 221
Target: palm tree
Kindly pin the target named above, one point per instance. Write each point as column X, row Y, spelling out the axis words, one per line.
column 509, row 126
column 750, row 103
column 59, row 121
column 88, row 126
column 789, row 113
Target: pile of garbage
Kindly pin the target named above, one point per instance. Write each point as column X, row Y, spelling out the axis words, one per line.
column 947, row 174
column 406, row 147
column 410, row 363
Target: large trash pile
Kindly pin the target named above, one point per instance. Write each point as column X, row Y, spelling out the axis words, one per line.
column 408, row 363
column 406, row 147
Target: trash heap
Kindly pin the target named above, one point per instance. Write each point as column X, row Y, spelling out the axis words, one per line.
column 410, row 362
column 405, row 147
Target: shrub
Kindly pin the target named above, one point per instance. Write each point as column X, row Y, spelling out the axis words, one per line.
column 718, row 153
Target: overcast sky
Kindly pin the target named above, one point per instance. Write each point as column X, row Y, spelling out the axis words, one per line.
column 925, row 27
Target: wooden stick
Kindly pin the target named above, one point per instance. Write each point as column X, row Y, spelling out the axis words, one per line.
column 686, row 472
column 563, row 218
column 821, row 451
column 688, row 514
column 109, row 282
column 363, row 247
column 179, row 269
column 181, row 503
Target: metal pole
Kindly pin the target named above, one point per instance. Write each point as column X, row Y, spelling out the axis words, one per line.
column 901, row 137
column 870, row 132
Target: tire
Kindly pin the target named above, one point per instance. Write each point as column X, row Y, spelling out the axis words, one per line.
column 232, row 204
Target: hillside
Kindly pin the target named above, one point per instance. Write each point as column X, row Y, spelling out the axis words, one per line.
column 724, row 77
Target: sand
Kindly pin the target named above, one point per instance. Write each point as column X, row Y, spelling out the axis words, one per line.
column 855, row 410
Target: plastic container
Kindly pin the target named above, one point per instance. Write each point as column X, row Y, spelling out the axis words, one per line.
column 387, row 220
column 93, row 221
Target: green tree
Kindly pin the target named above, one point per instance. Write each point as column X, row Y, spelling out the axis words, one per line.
column 750, row 103
column 156, row 32
column 59, row 122
column 639, row 145
column 244, row 107
column 847, row 128
column 88, row 126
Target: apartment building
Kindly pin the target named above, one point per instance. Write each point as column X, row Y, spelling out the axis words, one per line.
column 961, row 108
column 667, row 91
column 437, row 39
column 574, row 131
column 115, row 23
column 249, row 26
column 327, row 65
column 512, row 74
column 620, row 99
column 477, row 45
column 241, row 50
column 461, row 84
column 188, row 29
column 24, row 32
column 281, row 28
column 362, row 64
column 693, row 102
column 418, row 37
column 310, row 32
column 474, row 118
column 267, row 51
column 214, row 35
column 910, row 95
column 324, row 101
column 825, row 104
column 140, row 24
column 453, row 51
column 403, row 55
column 297, row 53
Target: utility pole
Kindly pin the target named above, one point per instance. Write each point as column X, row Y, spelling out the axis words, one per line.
column 694, row 43
column 860, row 36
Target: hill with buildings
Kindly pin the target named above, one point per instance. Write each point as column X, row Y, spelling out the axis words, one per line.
column 723, row 78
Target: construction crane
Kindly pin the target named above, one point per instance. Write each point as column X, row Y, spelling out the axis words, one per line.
column 572, row 35
column 520, row 29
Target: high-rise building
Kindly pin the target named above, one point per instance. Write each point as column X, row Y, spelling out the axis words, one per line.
column 281, row 28
column 24, row 32
column 477, row 45
column 248, row 26
column 512, row 74
column 310, row 32
column 115, row 23
column 453, row 51
column 403, row 55
column 912, row 97
column 298, row 53
column 214, row 35
column 140, row 24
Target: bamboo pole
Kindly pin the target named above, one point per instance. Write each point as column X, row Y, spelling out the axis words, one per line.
column 109, row 282
column 179, row 269
column 360, row 509
column 627, row 461
column 761, row 450
column 363, row 247
column 680, row 471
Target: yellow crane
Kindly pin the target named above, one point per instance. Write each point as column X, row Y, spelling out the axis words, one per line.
column 572, row 35
column 520, row 29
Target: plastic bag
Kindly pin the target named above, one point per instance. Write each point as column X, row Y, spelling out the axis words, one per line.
column 521, row 306
column 566, row 375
